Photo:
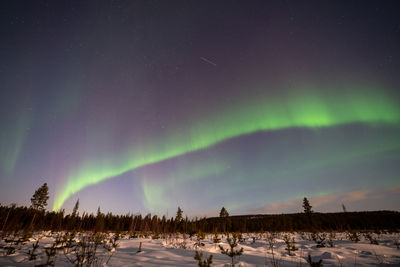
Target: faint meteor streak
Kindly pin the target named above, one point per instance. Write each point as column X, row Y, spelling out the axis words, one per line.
column 208, row 61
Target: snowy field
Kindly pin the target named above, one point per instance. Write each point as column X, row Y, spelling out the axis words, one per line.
column 335, row 249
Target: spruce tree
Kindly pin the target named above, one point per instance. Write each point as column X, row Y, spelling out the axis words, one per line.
column 40, row 197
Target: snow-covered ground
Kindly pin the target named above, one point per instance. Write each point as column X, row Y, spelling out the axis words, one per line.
column 179, row 250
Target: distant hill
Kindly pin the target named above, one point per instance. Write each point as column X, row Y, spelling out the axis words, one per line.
column 338, row 221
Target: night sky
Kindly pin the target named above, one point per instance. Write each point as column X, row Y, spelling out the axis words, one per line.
column 141, row 106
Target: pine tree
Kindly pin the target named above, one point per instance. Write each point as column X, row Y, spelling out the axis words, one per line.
column 39, row 202
column 203, row 263
column 179, row 217
column 216, row 239
column 231, row 252
column 223, row 213
column 344, row 208
column 40, row 197
column 74, row 217
column 225, row 221
column 307, row 207
column 75, row 210
column 99, row 225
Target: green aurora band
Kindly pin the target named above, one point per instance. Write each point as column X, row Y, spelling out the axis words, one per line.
column 302, row 108
column 12, row 138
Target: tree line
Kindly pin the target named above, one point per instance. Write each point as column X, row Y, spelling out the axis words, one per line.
column 36, row 218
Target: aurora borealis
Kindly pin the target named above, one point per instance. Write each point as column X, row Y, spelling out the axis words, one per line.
column 303, row 110
column 144, row 106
